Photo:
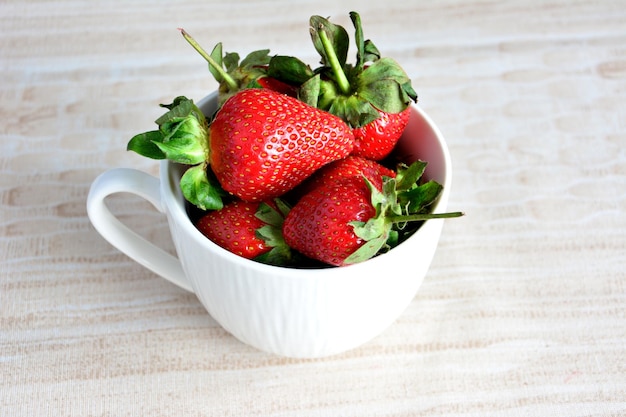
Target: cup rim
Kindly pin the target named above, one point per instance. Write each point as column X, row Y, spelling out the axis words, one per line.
column 173, row 199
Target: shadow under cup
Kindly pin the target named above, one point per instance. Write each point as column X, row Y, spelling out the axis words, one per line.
column 310, row 312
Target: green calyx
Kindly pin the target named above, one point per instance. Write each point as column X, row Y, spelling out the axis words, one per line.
column 183, row 137
column 271, row 233
column 403, row 201
column 231, row 74
column 355, row 92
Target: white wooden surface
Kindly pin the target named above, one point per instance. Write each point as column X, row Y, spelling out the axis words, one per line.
column 522, row 314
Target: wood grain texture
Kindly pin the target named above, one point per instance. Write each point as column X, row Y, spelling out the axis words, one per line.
column 523, row 312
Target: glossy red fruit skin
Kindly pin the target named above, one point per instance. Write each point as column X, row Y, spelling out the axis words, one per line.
column 377, row 139
column 264, row 143
column 234, row 229
column 352, row 166
column 318, row 225
column 278, row 86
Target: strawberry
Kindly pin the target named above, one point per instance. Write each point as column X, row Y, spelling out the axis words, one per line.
column 260, row 145
column 352, row 166
column 377, row 139
column 249, row 229
column 234, row 228
column 263, row 143
column 277, row 85
column 350, row 220
column 372, row 96
column 278, row 123
column 318, row 226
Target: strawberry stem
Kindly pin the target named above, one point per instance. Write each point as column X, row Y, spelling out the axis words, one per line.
column 342, row 80
column 423, row 216
column 232, row 84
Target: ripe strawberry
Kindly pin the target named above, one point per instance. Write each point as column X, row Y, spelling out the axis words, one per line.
column 377, row 139
column 263, row 143
column 234, row 228
column 373, row 99
column 249, row 229
column 349, row 220
column 260, row 145
column 318, row 226
column 277, row 85
column 352, row 166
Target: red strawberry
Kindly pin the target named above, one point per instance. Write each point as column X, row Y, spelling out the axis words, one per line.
column 349, row 220
column 377, row 139
column 318, row 226
column 263, row 143
column 248, row 229
column 372, row 96
column 260, row 145
column 234, row 228
column 277, row 85
column 352, row 166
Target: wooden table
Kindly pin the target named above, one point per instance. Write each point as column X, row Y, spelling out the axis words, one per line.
column 523, row 312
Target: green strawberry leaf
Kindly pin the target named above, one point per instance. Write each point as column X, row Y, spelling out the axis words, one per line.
column 413, row 197
column 231, row 61
column 372, row 229
column 200, row 189
column 408, row 93
column 354, row 110
column 371, row 53
column 377, row 199
column 175, row 103
column 289, row 70
column 416, row 200
column 282, row 206
column 182, row 136
column 271, row 235
column 183, row 149
column 390, row 194
column 280, row 254
column 327, row 92
column 382, row 83
column 270, row 215
column 324, row 32
column 244, row 74
column 184, row 133
column 370, row 249
column 145, row 144
column 375, row 231
column 393, row 239
column 216, row 54
column 360, row 42
column 408, row 176
column 366, row 50
column 180, row 107
column 256, row 59
column 184, row 141
column 309, row 92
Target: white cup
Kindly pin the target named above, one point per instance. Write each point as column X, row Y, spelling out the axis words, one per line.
column 291, row 312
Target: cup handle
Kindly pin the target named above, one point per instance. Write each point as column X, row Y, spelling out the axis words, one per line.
column 119, row 235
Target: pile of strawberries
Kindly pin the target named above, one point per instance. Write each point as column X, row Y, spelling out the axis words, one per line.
column 292, row 168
